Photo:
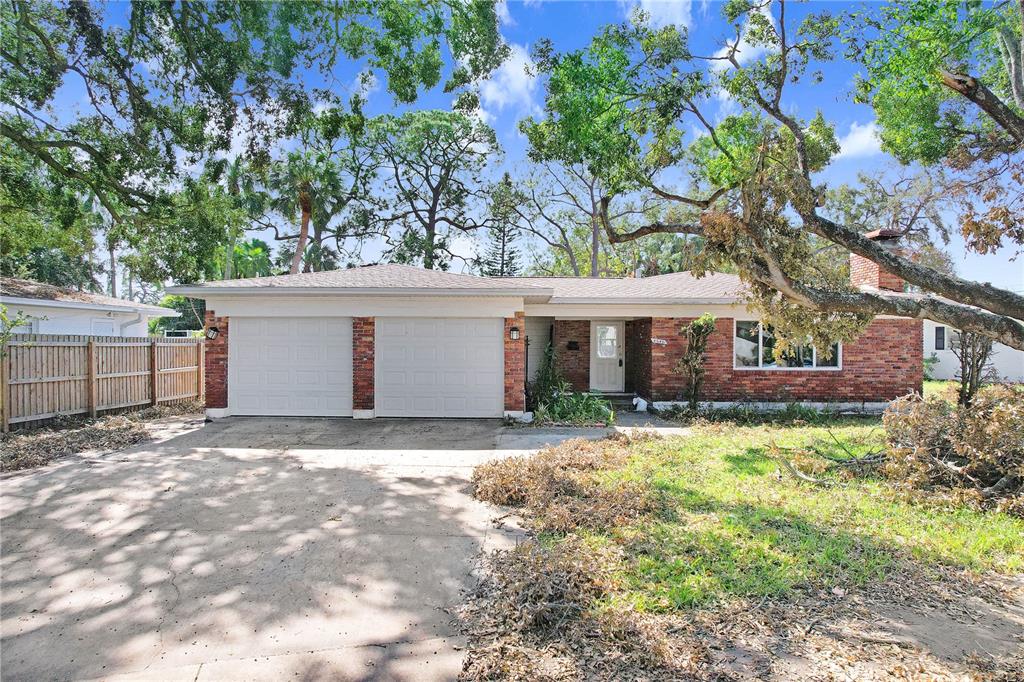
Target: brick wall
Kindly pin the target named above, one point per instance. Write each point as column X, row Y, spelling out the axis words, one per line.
column 574, row 365
column 216, row 361
column 515, row 364
column 885, row 362
column 362, row 362
column 867, row 272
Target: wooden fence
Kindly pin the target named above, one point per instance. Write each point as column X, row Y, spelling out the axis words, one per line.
column 46, row 375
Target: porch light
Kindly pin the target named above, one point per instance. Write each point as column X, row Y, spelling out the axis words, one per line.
column 513, row 333
column 212, row 332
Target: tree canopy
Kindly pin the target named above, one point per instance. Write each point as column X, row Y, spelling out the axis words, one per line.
column 624, row 105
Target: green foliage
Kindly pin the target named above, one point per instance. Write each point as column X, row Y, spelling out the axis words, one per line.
column 193, row 311
column 7, row 325
column 432, row 163
column 566, row 407
column 547, row 382
column 174, row 77
column 691, row 363
column 906, row 46
column 502, row 258
column 929, row 366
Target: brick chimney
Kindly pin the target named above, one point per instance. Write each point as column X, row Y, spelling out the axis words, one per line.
column 865, row 272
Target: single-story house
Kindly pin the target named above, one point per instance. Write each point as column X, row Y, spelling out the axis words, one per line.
column 400, row 341
column 939, row 340
column 54, row 310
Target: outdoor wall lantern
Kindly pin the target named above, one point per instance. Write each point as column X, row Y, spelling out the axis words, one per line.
column 513, row 333
column 211, row 332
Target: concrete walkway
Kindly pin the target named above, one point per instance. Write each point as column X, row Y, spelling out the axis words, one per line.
column 252, row 548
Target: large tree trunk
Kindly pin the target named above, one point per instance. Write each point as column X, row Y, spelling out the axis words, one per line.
column 300, row 247
column 595, row 242
column 987, row 101
column 112, row 278
column 428, row 246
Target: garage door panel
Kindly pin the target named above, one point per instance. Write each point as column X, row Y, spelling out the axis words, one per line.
column 439, row 367
column 290, row 366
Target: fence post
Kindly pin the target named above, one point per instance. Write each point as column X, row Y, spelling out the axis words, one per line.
column 153, row 398
column 201, row 371
column 5, row 390
column 90, row 381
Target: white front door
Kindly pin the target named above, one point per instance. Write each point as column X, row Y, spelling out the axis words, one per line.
column 607, row 357
column 439, row 367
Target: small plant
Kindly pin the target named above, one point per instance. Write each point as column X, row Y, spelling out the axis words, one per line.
column 566, row 407
column 691, row 364
column 929, row 366
column 548, row 381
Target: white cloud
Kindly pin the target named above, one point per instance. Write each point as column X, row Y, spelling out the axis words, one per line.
column 663, row 12
column 504, row 16
column 861, row 141
column 365, row 84
column 511, row 86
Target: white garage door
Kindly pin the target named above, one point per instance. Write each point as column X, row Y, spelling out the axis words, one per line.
column 292, row 366
column 439, row 367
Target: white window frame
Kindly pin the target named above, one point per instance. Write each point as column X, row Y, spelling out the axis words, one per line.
column 760, row 354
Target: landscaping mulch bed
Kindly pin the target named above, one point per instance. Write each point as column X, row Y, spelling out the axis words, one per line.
column 68, row 436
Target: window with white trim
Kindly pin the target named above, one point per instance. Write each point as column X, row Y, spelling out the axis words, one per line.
column 754, row 348
column 940, row 338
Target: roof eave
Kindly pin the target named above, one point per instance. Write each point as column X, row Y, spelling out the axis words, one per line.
column 208, row 292
column 152, row 311
column 644, row 300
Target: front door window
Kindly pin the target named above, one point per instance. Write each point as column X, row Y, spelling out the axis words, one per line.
column 607, row 341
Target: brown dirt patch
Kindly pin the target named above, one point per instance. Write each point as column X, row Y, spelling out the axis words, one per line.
column 939, row 625
column 34, row 448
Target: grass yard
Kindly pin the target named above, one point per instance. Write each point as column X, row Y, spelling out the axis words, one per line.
column 734, row 524
column 730, row 536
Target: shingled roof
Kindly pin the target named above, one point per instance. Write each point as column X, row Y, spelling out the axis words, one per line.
column 12, row 287
column 680, row 287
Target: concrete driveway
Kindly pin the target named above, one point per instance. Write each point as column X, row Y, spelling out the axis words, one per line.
column 251, row 549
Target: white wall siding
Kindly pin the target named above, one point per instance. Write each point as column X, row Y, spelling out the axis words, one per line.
column 1008, row 362
column 538, row 331
column 47, row 320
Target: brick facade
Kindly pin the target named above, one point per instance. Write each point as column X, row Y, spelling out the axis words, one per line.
column 864, row 272
column 515, row 364
column 216, row 361
column 885, row 362
column 363, row 330
column 574, row 365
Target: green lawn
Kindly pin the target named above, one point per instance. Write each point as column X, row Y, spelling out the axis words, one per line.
column 941, row 389
column 733, row 525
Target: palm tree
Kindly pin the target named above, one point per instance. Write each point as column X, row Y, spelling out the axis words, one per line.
column 299, row 183
column 248, row 201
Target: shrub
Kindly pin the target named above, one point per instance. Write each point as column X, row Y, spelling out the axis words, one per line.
column 691, row 364
column 566, row 407
column 977, row 448
column 547, row 382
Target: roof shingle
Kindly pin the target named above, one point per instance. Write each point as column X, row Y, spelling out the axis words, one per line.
column 25, row 288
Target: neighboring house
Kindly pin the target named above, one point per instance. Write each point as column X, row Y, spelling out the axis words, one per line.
column 1007, row 362
column 399, row 341
column 53, row 310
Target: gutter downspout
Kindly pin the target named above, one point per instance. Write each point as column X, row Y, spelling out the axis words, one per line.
column 138, row 318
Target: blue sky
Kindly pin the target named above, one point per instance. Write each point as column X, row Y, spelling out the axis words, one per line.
column 511, row 94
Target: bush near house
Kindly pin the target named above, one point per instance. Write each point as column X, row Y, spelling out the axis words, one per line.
column 551, row 398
